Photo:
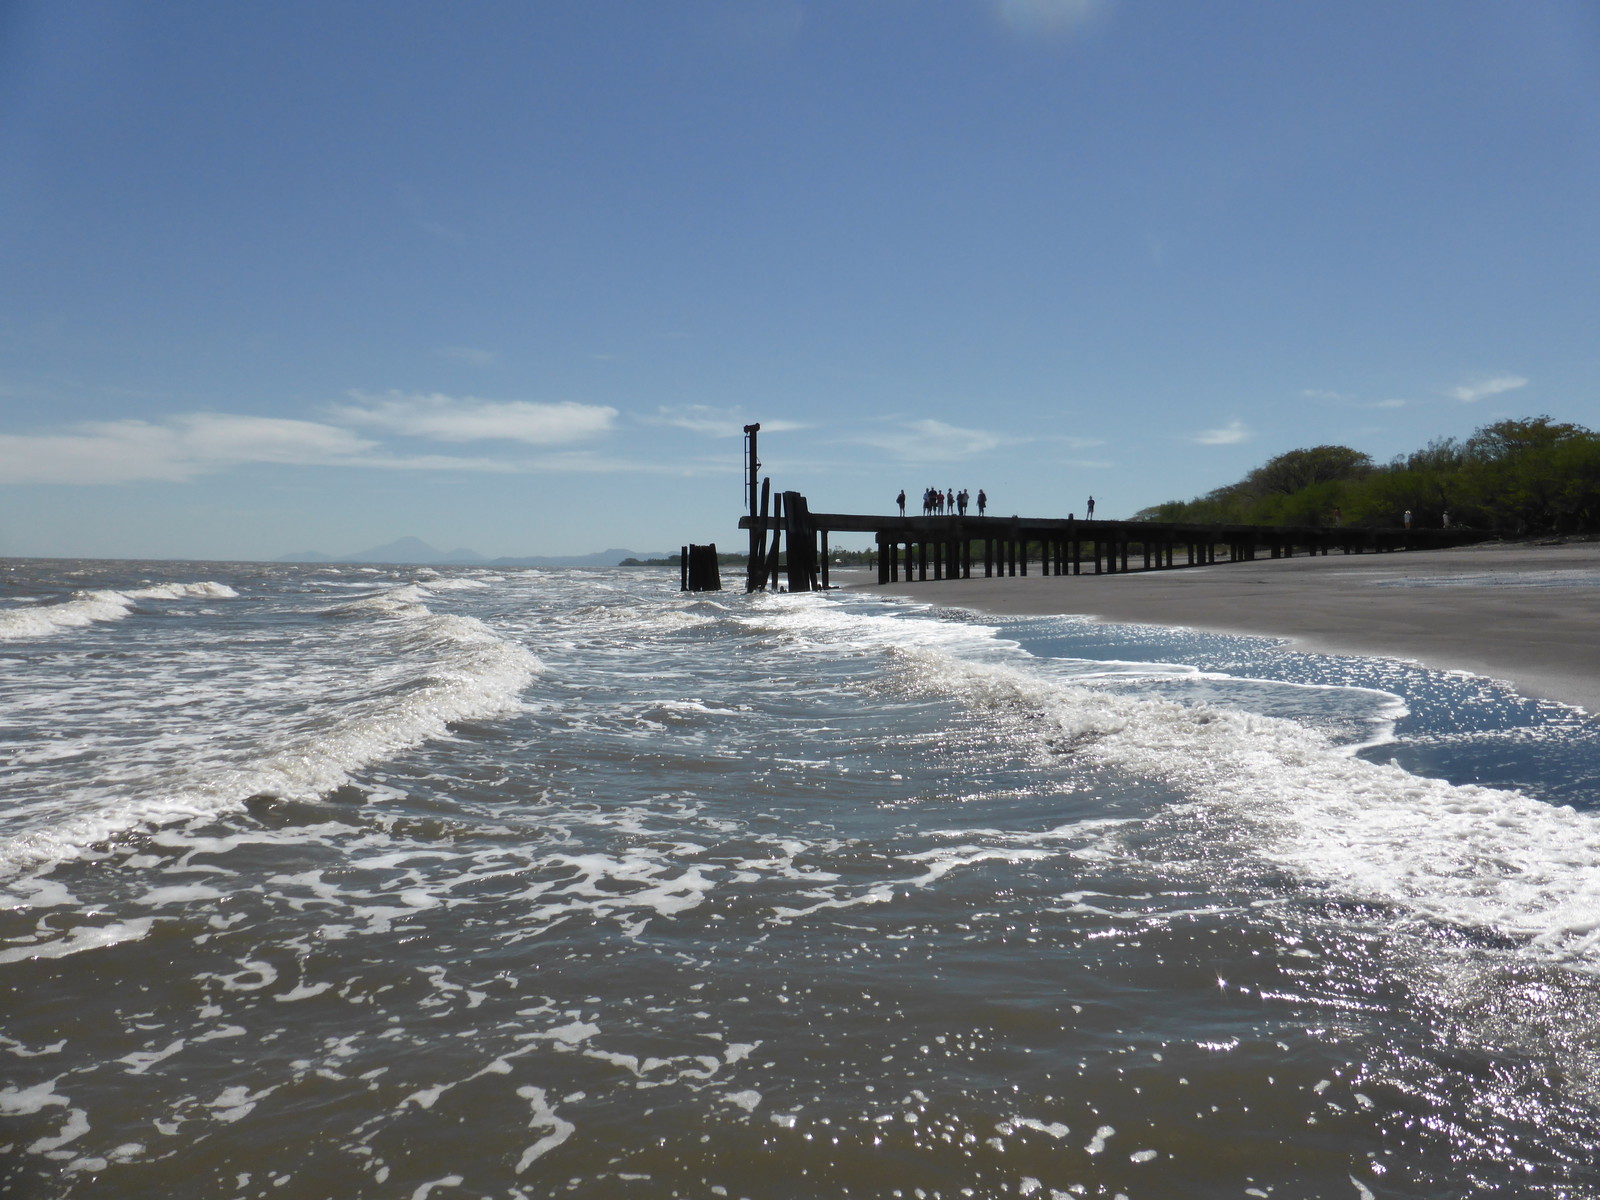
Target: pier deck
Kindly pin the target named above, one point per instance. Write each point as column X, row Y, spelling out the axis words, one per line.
column 915, row 548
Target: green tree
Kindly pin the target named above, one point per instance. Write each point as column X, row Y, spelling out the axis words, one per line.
column 1290, row 472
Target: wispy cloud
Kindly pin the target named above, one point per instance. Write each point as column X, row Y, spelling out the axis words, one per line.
column 467, row 419
column 934, row 441
column 713, row 422
column 1049, row 17
column 174, row 450
column 473, row 356
column 1477, row 389
column 1230, row 434
column 1326, row 395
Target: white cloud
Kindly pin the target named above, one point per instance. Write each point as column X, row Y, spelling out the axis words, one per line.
column 1230, row 434
column 177, row 449
column 1034, row 17
column 448, row 419
column 714, row 422
column 935, row 441
column 1331, row 397
column 1477, row 389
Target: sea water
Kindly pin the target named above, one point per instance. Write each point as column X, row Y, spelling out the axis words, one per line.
column 335, row 881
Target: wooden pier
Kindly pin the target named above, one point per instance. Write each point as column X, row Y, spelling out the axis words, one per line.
column 957, row 546
column 918, row 548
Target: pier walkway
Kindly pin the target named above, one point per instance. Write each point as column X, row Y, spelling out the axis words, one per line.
column 915, row 548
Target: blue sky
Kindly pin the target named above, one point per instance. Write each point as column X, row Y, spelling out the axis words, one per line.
column 512, row 276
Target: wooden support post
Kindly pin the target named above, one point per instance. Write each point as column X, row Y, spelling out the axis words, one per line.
column 700, row 572
column 800, row 542
column 772, row 548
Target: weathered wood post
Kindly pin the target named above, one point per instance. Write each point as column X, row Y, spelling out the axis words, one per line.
column 770, row 574
column 801, row 540
column 756, row 568
column 699, row 570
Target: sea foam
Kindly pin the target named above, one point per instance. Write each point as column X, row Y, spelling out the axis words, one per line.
column 86, row 608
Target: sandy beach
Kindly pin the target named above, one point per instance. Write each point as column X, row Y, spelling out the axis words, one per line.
column 1526, row 614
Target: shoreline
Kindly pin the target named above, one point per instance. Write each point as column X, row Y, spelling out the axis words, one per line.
column 1525, row 614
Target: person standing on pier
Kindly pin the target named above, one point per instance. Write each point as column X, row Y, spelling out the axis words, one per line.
column 961, row 502
column 983, row 501
column 1091, row 508
column 901, row 501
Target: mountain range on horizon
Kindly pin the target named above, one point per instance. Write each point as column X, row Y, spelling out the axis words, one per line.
column 413, row 550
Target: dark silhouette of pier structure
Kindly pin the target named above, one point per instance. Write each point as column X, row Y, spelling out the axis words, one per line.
column 917, row 548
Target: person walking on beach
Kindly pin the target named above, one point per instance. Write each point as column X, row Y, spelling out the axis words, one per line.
column 1091, row 508
column 901, row 501
column 983, row 501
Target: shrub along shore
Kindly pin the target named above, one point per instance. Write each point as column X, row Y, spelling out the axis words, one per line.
column 1520, row 478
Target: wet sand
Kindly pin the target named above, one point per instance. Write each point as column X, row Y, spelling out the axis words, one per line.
column 1526, row 614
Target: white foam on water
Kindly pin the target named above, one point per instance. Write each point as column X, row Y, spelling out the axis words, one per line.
column 16, row 1102
column 423, row 670
column 50, row 619
column 205, row 590
column 1465, row 855
column 106, row 604
column 80, row 938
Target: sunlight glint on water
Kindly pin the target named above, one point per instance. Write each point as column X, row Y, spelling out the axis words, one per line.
column 344, row 882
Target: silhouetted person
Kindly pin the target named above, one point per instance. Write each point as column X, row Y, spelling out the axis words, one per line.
column 983, row 501
column 1091, row 508
column 901, row 501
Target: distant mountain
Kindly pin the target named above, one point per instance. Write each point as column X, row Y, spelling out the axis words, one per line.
column 415, row 550
column 412, row 550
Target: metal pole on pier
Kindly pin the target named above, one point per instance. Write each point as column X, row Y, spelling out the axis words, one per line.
column 754, row 566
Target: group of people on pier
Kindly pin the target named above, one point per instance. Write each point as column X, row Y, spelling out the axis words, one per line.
column 937, row 503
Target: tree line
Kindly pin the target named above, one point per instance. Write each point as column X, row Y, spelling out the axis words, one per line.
column 1517, row 477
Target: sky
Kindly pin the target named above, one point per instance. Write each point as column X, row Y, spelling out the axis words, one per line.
column 513, row 276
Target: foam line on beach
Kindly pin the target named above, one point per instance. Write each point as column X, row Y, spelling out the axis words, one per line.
column 1463, row 855
column 428, row 670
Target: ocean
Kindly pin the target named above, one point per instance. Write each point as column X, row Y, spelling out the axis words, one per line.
column 332, row 881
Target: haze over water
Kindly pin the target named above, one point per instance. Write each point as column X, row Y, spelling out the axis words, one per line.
column 339, row 882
